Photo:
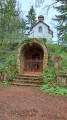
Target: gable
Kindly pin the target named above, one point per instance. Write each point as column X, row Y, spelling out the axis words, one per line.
column 40, row 24
column 44, row 26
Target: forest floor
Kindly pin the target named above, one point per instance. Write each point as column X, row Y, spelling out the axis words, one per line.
column 26, row 103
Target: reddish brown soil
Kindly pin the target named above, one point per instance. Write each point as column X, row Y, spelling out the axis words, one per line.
column 25, row 103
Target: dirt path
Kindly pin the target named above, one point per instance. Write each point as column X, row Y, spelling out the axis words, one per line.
column 24, row 103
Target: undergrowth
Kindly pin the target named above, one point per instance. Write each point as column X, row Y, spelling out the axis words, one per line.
column 50, row 84
column 57, row 50
column 5, row 84
column 8, row 57
column 55, row 90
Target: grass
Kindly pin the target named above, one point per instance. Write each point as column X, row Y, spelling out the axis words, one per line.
column 12, row 110
column 58, row 117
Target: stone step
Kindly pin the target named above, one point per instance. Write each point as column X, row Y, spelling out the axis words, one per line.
column 27, row 75
column 27, row 78
column 28, row 81
column 32, row 85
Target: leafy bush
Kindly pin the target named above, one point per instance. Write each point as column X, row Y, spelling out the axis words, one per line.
column 50, row 84
column 54, row 91
column 48, row 75
column 5, row 84
column 29, row 40
column 53, row 49
column 8, row 58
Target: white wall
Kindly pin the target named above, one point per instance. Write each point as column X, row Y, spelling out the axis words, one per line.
column 44, row 34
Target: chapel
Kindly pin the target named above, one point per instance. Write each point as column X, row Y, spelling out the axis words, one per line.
column 41, row 30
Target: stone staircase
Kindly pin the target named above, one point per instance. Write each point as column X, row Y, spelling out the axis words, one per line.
column 27, row 80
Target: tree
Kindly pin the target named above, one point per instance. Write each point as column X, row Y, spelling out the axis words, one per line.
column 23, row 28
column 61, row 18
column 8, row 14
column 31, row 17
column 62, row 21
column 10, row 23
column 10, row 32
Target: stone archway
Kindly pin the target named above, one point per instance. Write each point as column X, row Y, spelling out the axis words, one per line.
column 30, row 56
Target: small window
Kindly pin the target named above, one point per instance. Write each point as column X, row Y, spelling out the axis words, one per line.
column 40, row 29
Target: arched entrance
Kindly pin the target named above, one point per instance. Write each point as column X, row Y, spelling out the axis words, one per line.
column 33, row 58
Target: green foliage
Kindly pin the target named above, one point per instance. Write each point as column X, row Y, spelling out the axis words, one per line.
column 48, row 75
column 50, row 85
column 54, row 49
column 11, row 29
column 54, row 91
column 43, row 40
column 61, row 18
column 8, row 58
column 9, row 19
column 64, row 38
column 31, row 16
column 12, row 110
column 5, row 84
column 64, row 61
column 10, row 22
column 28, row 40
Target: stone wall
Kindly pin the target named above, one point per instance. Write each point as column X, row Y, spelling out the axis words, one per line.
column 57, row 62
column 20, row 62
column 62, row 78
column 3, row 76
column 60, row 74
